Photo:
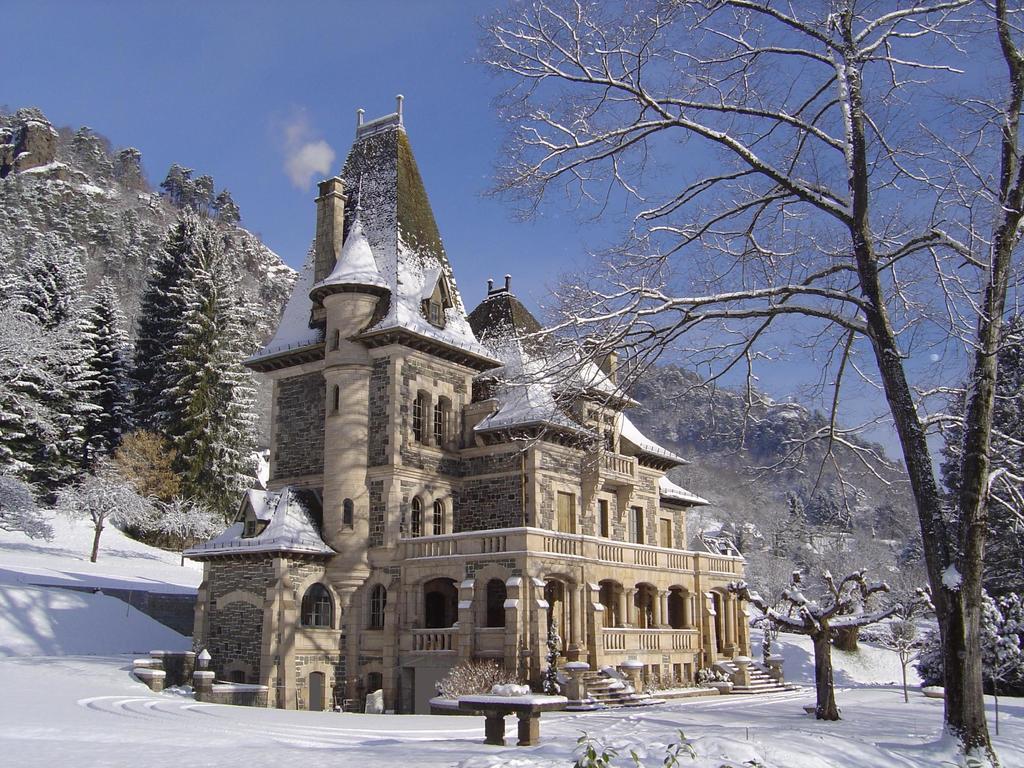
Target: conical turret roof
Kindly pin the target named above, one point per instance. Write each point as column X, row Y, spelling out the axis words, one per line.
column 356, row 267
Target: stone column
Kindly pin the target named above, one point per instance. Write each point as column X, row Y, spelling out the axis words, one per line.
column 656, row 616
column 574, row 596
column 630, row 606
column 620, row 614
column 663, row 602
column 463, row 641
column 687, row 611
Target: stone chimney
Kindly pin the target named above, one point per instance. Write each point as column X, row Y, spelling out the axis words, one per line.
column 610, row 367
column 330, row 224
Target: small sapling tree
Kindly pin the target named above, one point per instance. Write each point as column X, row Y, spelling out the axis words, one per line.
column 842, row 605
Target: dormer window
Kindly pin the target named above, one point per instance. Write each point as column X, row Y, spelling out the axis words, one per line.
column 436, row 298
column 250, row 529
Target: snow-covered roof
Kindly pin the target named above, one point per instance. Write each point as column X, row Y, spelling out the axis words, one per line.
column 294, row 332
column 670, row 490
column 291, row 529
column 356, row 266
column 263, row 503
column 382, row 180
column 629, row 432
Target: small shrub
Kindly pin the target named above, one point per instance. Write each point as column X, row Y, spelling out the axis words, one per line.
column 709, row 675
column 473, row 677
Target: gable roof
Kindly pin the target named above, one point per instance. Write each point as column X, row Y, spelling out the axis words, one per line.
column 290, row 529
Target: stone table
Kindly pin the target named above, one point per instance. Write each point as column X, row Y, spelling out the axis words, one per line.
column 527, row 708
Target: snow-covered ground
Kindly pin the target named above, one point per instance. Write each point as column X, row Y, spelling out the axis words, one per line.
column 60, row 707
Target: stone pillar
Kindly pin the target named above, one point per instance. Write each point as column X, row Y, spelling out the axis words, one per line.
column 687, row 611
column 574, row 596
column 620, row 614
column 631, row 670
column 464, row 637
column 576, row 690
column 538, row 633
column 663, row 602
column 631, row 607
column 529, row 729
column 513, row 646
column 596, row 617
column 494, row 728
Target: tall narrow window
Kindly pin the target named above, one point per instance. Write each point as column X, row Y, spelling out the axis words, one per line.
column 438, row 518
column 416, row 521
column 603, row 514
column 442, row 413
column 336, row 399
column 417, row 418
column 347, row 513
column 496, row 594
column 378, row 601
column 335, row 339
column 637, row 524
column 566, row 513
column 665, row 534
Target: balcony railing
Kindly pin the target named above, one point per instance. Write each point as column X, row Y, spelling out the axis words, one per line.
column 592, row 548
column 628, row 639
column 432, row 639
column 616, row 466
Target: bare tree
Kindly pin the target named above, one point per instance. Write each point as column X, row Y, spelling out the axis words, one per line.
column 105, row 497
column 841, row 606
column 186, row 521
column 827, row 170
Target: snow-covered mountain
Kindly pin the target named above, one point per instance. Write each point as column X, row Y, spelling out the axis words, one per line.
column 69, row 190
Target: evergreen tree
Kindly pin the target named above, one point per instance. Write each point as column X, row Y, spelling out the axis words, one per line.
column 161, row 317
column 227, row 209
column 107, row 371
column 209, row 395
column 49, row 290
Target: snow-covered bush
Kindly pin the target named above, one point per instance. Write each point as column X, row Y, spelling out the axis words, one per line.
column 474, row 677
column 708, row 675
column 18, row 510
column 1002, row 647
column 665, row 683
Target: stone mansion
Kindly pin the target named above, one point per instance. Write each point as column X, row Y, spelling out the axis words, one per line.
column 433, row 496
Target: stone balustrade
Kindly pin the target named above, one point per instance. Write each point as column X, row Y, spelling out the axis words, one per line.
column 592, row 548
column 424, row 640
column 629, row 639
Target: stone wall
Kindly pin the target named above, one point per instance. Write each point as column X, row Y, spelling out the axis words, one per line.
column 379, row 433
column 299, row 426
column 377, row 513
column 236, row 628
column 493, row 502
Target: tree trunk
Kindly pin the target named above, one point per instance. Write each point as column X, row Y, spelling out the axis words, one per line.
column 826, row 708
column 96, row 542
column 903, row 666
column 845, row 638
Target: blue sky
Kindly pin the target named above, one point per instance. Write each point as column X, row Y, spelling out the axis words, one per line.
column 256, row 92
column 220, row 87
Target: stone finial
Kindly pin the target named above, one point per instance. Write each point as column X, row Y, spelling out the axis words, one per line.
column 359, row 117
column 508, row 282
column 399, row 99
column 204, row 658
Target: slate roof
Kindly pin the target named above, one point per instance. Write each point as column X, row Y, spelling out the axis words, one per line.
column 290, row 529
column 356, row 266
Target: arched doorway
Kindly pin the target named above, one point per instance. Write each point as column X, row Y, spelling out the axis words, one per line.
column 644, row 600
column 609, row 595
column 440, row 603
column 317, row 689
column 677, row 608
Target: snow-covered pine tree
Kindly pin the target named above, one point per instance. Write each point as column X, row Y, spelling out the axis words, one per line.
column 49, row 289
column 226, row 208
column 107, row 370
column 161, row 315
column 209, row 395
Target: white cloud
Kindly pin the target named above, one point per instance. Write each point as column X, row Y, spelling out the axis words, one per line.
column 305, row 157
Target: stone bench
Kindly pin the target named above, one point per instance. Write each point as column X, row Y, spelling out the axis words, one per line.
column 526, row 708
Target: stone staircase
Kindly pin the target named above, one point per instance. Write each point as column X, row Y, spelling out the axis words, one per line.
column 760, row 680
column 604, row 691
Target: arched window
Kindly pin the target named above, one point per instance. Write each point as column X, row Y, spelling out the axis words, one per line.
column 416, row 517
column 336, row 401
column 347, row 513
column 440, row 603
column 439, row 525
column 317, row 608
column 496, row 594
column 378, row 601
